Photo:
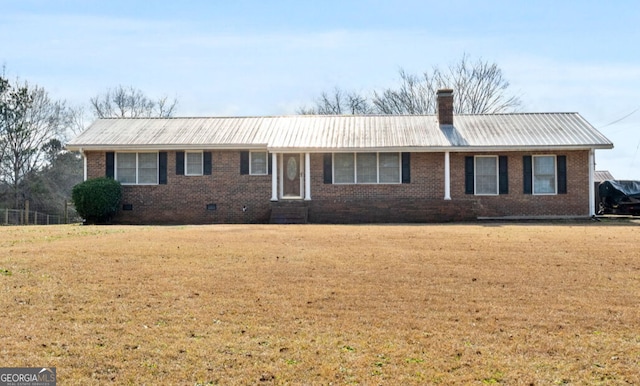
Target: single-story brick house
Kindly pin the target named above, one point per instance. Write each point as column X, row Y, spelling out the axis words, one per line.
column 347, row 169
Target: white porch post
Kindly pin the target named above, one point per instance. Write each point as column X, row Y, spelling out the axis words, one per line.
column 281, row 167
column 592, row 193
column 307, row 177
column 447, row 177
column 274, row 177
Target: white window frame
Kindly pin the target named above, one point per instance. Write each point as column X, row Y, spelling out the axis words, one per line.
column 116, row 169
column 555, row 175
column 186, row 163
column 333, row 171
column 475, row 175
column 266, row 163
column 399, row 181
column 138, row 168
column 355, row 170
column 377, row 166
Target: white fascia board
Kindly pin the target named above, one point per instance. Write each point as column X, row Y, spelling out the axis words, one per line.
column 476, row 149
column 399, row 149
column 440, row 149
column 74, row 147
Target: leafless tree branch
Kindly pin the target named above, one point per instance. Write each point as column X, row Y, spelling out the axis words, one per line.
column 479, row 88
column 128, row 102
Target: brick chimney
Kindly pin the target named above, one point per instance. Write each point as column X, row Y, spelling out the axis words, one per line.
column 445, row 106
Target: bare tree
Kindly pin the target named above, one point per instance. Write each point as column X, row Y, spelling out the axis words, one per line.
column 413, row 97
column 77, row 120
column 7, row 112
column 338, row 103
column 29, row 120
column 129, row 102
column 479, row 88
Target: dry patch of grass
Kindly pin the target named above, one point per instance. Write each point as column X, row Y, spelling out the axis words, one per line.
column 415, row 304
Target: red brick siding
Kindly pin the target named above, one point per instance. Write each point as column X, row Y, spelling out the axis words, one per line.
column 96, row 164
column 516, row 203
column 184, row 199
column 419, row 201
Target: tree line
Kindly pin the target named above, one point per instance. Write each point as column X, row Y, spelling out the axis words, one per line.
column 479, row 88
column 34, row 127
column 34, row 165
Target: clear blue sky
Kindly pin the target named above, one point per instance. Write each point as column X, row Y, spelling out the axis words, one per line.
column 264, row 57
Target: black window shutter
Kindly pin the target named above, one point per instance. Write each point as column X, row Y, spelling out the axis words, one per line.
column 162, row 168
column 406, row 168
column 206, row 163
column 468, row 175
column 527, row 174
column 179, row 163
column 244, row 162
column 269, row 161
column 327, row 168
column 110, row 163
column 503, row 175
column 562, row 173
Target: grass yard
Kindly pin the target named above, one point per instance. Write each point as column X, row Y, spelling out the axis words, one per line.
column 321, row 304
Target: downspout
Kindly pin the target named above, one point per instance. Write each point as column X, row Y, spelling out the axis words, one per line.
column 84, row 164
column 447, row 176
column 274, row 177
column 592, row 193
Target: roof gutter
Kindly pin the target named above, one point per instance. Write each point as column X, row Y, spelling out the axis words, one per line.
column 413, row 149
column 159, row 147
column 439, row 149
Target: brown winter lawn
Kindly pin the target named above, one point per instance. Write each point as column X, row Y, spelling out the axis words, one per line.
column 322, row 304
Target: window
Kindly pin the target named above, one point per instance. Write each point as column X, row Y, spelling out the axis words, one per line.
column 137, row 168
column 147, row 168
column 126, row 168
column 389, row 167
column 366, row 168
column 486, row 175
column 343, row 168
column 193, row 163
column 544, row 174
column 258, row 162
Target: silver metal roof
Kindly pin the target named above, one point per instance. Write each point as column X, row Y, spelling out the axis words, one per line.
column 602, row 175
column 319, row 133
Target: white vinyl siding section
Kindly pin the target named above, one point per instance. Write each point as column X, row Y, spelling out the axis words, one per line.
column 258, row 163
column 137, row 168
column 193, row 163
column 486, row 175
column 366, row 168
column 544, row 174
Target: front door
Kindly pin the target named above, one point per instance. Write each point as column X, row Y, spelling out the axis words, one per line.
column 291, row 173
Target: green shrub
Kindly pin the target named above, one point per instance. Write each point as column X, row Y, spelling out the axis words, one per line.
column 97, row 199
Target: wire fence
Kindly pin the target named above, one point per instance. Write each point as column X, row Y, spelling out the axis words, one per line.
column 26, row 217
